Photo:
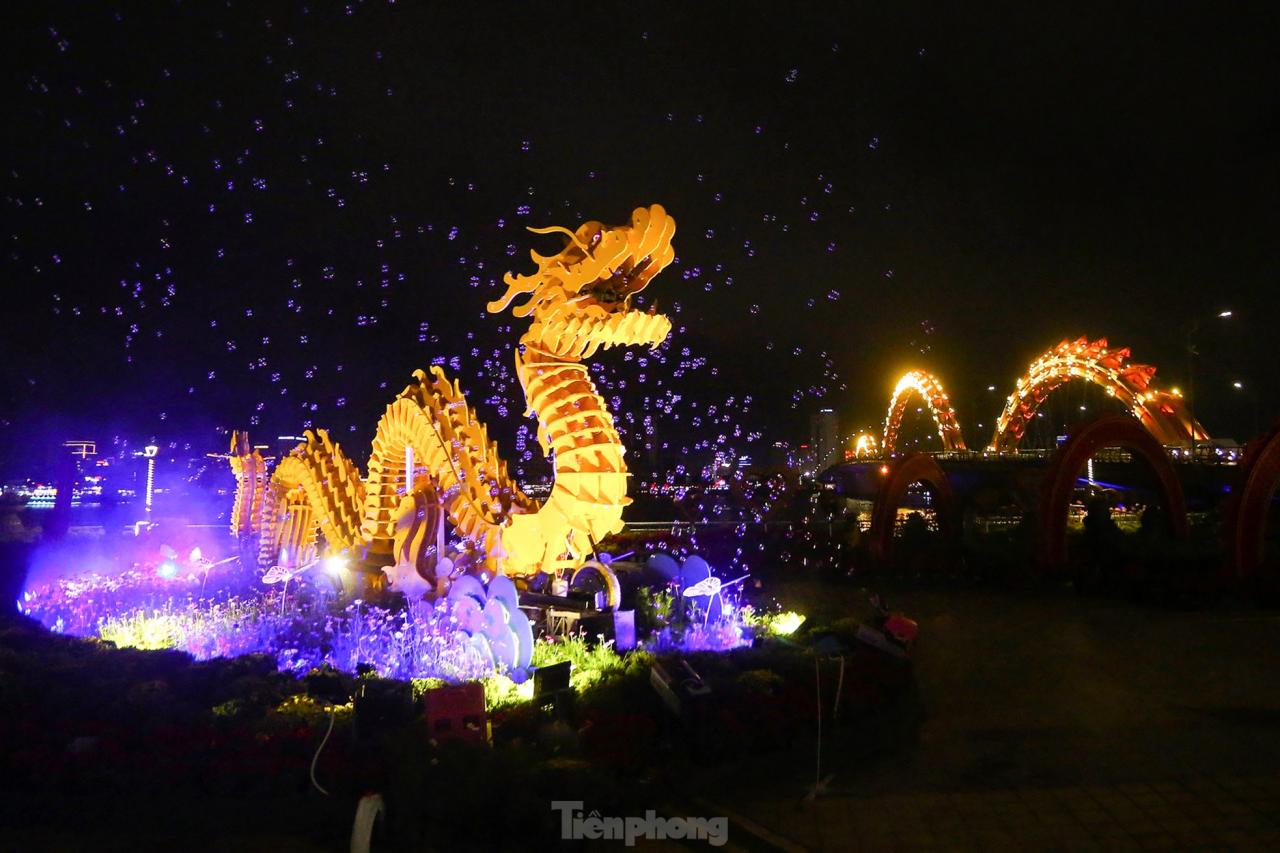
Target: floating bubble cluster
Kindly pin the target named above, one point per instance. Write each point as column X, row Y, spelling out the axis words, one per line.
column 267, row 219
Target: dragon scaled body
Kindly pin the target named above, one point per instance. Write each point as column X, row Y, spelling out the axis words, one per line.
column 1164, row 414
column 432, row 460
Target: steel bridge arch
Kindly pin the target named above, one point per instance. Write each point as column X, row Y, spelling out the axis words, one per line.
column 1065, row 465
column 902, row 473
column 929, row 388
column 1247, row 516
column 1163, row 414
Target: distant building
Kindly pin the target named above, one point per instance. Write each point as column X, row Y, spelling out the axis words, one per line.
column 824, row 437
column 780, row 456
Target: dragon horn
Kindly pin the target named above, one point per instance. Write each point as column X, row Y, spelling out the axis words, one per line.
column 560, row 229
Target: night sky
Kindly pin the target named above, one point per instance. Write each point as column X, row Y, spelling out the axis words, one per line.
column 266, row 215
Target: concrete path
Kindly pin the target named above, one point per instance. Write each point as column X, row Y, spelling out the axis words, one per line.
column 1054, row 723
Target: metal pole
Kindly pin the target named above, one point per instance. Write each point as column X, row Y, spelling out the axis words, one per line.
column 1191, row 385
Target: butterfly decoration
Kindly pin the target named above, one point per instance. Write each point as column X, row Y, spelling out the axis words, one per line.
column 698, row 585
column 278, row 573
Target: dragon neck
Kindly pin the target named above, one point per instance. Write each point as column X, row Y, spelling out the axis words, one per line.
column 574, row 423
column 576, row 429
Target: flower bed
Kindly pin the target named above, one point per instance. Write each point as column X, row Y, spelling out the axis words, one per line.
column 306, row 630
column 92, row 718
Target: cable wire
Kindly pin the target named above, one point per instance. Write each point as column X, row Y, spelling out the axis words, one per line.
column 333, row 715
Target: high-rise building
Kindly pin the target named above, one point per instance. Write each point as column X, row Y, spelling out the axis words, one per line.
column 824, row 437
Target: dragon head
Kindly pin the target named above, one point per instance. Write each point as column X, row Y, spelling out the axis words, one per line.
column 580, row 299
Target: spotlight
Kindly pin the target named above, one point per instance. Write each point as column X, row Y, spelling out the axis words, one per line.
column 167, row 570
column 787, row 623
column 334, row 564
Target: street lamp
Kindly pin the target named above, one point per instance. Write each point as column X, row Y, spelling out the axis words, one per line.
column 1253, row 396
column 1192, row 352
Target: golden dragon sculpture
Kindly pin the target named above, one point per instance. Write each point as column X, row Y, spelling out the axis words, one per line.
column 432, row 460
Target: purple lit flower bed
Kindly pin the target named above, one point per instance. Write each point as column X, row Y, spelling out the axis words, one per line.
column 301, row 632
column 303, row 627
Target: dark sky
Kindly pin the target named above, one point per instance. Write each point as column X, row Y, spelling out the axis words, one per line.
column 218, row 215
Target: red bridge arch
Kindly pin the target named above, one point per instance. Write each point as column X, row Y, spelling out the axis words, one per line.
column 1084, row 440
column 1247, row 520
column 1163, row 414
column 912, row 468
column 927, row 386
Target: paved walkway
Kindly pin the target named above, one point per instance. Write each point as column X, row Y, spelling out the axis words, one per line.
column 1055, row 723
column 1201, row 813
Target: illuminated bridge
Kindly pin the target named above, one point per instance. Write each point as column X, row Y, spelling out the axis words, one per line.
column 1157, row 449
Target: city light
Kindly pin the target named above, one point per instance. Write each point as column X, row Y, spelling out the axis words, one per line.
column 150, row 452
column 83, row 449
